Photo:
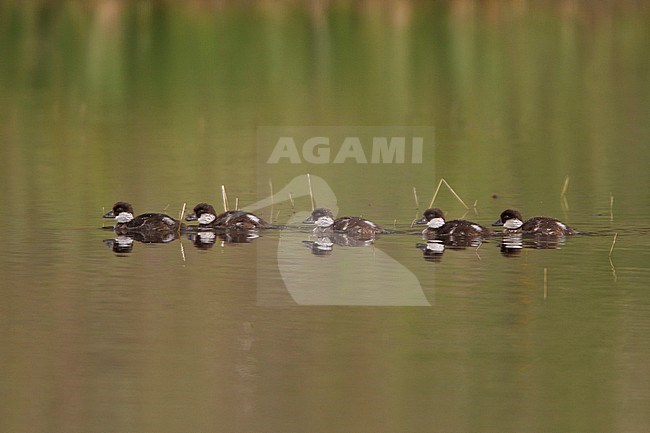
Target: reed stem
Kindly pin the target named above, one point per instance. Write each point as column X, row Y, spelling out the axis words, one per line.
column 182, row 213
column 565, row 187
column 311, row 192
column 435, row 194
column 417, row 202
column 613, row 243
column 224, row 198
column 180, row 223
column 271, row 211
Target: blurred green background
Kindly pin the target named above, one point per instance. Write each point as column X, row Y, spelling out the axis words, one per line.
column 108, row 100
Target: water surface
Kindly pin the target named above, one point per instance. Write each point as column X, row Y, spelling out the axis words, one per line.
column 159, row 104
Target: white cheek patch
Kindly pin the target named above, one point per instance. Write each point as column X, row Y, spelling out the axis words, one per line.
column 562, row 226
column 124, row 217
column 477, row 227
column 324, row 221
column 253, row 218
column 436, row 223
column 206, row 218
column 513, row 224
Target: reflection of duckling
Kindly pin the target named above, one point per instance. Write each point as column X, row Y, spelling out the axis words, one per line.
column 345, row 240
column 207, row 217
column 124, row 243
column 353, row 226
column 121, row 244
column 322, row 246
column 545, row 243
column 512, row 221
column 511, row 244
column 238, row 236
column 432, row 250
column 205, row 239
column 434, row 218
column 154, row 237
column 461, row 242
column 145, row 223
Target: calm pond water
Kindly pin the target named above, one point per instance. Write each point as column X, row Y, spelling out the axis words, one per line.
column 161, row 103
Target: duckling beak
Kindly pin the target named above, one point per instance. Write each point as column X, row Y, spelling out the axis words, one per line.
column 191, row 217
column 109, row 214
column 309, row 220
column 497, row 223
column 422, row 220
